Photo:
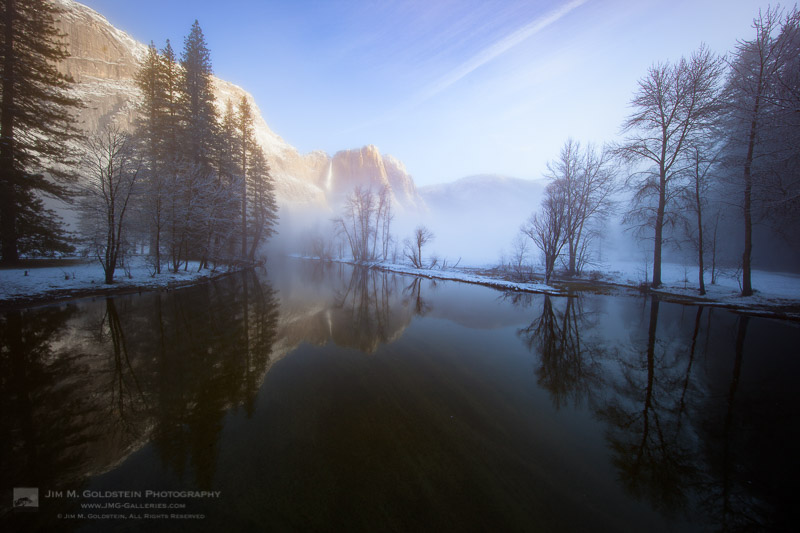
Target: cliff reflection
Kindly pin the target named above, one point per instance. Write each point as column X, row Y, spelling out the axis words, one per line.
column 354, row 307
column 85, row 384
column 682, row 408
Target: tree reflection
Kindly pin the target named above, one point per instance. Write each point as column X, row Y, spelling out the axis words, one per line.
column 47, row 419
column 728, row 493
column 353, row 306
column 84, row 385
column 646, row 433
column 214, row 349
column 671, row 442
column 568, row 364
column 127, row 403
column 365, row 311
column 412, row 294
column 658, row 422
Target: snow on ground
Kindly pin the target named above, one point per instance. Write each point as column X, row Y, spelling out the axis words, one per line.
column 772, row 289
column 89, row 276
column 467, row 276
column 780, row 288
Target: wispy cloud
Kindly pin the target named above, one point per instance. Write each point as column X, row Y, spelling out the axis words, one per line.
column 496, row 49
column 484, row 56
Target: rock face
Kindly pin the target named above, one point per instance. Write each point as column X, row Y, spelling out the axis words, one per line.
column 368, row 168
column 103, row 62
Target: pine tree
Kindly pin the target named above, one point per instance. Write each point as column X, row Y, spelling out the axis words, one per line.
column 150, row 79
column 229, row 180
column 246, row 144
column 171, row 127
column 226, row 154
column 264, row 206
column 197, row 99
column 199, row 143
column 173, row 145
column 36, row 125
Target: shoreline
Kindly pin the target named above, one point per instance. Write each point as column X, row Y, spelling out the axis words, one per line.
column 120, row 288
column 782, row 309
column 778, row 308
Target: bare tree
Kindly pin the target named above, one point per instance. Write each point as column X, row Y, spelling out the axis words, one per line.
column 548, row 228
column 563, row 174
column 365, row 223
column 587, row 180
column 695, row 199
column 519, row 260
column 413, row 247
column 758, row 90
column 112, row 167
column 672, row 105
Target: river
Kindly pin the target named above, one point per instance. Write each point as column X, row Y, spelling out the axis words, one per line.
column 327, row 397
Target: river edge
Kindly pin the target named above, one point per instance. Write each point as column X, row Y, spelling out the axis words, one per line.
column 783, row 309
column 59, row 296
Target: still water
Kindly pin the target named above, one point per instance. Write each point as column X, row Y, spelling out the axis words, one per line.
column 310, row 397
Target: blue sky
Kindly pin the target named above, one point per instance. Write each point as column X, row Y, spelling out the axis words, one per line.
column 451, row 88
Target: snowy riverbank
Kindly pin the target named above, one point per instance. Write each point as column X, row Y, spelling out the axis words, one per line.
column 33, row 285
column 777, row 293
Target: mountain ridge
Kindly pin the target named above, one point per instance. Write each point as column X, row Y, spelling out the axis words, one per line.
column 103, row 62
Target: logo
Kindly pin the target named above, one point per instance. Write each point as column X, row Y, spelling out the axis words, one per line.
column 26, row 498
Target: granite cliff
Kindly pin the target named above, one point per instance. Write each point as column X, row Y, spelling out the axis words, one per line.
column 103, row 61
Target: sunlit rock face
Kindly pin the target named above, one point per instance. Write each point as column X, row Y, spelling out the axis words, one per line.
column 352, row 307
column 103, row 62
column 368, row 168
column 97, row 49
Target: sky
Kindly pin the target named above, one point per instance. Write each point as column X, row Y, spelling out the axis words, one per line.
column 450, row 88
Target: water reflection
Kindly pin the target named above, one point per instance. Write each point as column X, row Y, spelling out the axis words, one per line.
column 642, row 369
column 648, row 430
column 437, row 401
column 356, row 308
column 42, row 444
column 86, row 384
column 569, row 357
column 674, row 440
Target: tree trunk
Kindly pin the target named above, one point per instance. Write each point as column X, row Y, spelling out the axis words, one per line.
column 244, row 216
column 659, row 227
column 747, row 287
column 244, row 190
column 714, row 252
column 572, row 252
column 8, row 206
column 699, row 208
column 257, row 237
column 158, row 249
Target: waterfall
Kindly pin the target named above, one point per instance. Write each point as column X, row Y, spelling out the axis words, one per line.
column 329, row 179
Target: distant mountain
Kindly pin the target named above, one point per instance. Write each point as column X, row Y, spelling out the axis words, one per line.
column 474, row 192
column 103, row 61
column 482, row 211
